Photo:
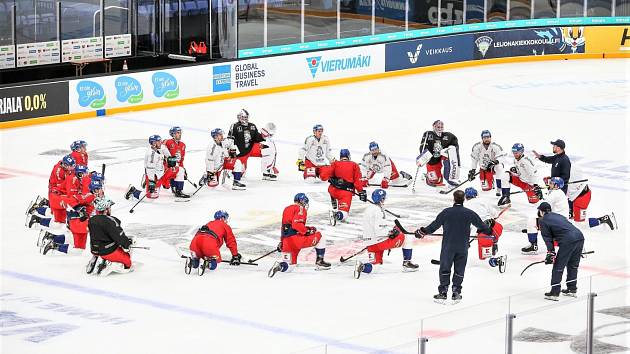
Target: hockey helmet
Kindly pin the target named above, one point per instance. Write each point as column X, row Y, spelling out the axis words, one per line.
column 317, row 127
column 344, row 153
column 221, row 214
column 301, row 198
column 80, row 170
column 94, row 185
column 243, row 116
column 174, row 130
column 518, row 147
column 154, row 139
column 215, row 132
column 77, row 144
column 378, row 196
column 68, row 161
column 485, row 134
column 557, row 181
column 102, row 204
column 470, row 193
column 374, row 146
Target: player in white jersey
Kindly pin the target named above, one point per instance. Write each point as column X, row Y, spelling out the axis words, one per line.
column 315, row 154
column 221, row 160
column 489, row 157
column 156, row 174
column 487, row 245
column 378, row 169
column 375, row 225
column 522, row 175
column 579, row 195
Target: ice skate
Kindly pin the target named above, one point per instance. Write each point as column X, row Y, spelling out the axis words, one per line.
column 358, row 269
column 531, row 249
column 551, row 296
column 440, row 298
column 129, row 192
column 332, row 218
column 89, row 268
column 456, row 298
column 102, row 266
column 34, row 220
column 237, row 185
column 607, row 219
column 322, row 264
column 569, row 292
column 269, row 176
column 504, row 201
column 49, row 245
column 410, row 267
column 274, row 269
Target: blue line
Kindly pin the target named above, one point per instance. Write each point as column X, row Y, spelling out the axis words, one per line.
column 188, row 311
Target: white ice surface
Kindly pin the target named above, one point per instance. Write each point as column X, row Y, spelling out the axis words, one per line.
column 159, row 309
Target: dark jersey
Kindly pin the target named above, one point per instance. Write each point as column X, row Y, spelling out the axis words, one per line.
column 555, row 227
column 560, row 165
column 244, row 137
column 106, row 235
column 456, row 221
column 434, row 144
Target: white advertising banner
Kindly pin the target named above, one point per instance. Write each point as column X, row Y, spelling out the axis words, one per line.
column 81, row 49
column 39, row 53
column 118, row 45
column 206, row 80
column 7, row 57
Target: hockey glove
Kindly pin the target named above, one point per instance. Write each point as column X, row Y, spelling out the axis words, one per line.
column 491, row 165
column 537, row 191
column 362, row 196
column 279, row 247
column 393, row 233
column 546, row 180
column 236, row 259
column 420, row 233
column 151, row 187
column 185, row 175
column 513, row 170
column 550, row 258
column 471, row 174
column 82, row 213
column 364, row 182
column 490, row 222
column 232, row 153
column 300, row 165
column 385, row 183
column 310, row 230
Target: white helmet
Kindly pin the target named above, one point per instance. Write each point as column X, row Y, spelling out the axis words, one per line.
column 268, row 130
column 243, row 116
column 102, row 204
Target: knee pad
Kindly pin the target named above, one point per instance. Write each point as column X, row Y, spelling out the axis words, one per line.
column 310, row 172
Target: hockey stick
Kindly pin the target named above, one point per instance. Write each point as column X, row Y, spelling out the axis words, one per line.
column 385, row 210
column 135, row 205
column 543, row 261
column 545, row 187
column 186, row 178
column 343, row 260
column 391, row 185
column 103, row 172
column 457, row 186
column 415, row 178
column 263, row 256
column 225, row 261
column 141, row 247
column 198, row 189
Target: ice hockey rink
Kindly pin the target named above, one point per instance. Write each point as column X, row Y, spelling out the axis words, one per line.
column 50, row 305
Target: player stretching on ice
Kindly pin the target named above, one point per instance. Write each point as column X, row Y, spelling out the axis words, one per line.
column 488, row 156
column 207, row 243
column 79, row 152
column 315, row 154
column 295, row 235
column 580, row 196
column 437, row 146
column 523, row 175
column 376, row 225
column 177, row 149
column 376, row 164
column 344, row 177
column 221, row 159
column 487, row 245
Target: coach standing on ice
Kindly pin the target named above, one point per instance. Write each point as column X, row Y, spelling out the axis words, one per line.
column 455, row 222
column 560, row 162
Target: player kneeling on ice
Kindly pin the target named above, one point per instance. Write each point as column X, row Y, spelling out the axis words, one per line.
column 295, row 235
column 488, row 156
column 344, row 177
column 555, row 228
column 487, row 244
column 579, row 195
column 378, row 169
column 205, row 246
column 156, row 175
column 375, row 225
column 523, row 175
column 315, row 154
column 108, row 241
column 177, row 149
column 221, row 159
column 437, row 146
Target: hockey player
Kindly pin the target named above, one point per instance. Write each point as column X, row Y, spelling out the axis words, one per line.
column 344, row 177
column 580, row 196
column 295, row 235
column 560, row 162
column 250, row 143
column 557, row 229
column 522, row 175
column 315, row 154
column 487, row 245
column 375, row 162
column 177, row 149
column 488, row 156
column 57, row 187
column 437, row 146
column 207, row 243
column 558, row 201
column 79, row 152
column 221, row 158
column 108, row 241
column 376, row 225
column 155, row 175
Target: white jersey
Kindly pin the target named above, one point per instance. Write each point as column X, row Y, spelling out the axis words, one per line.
column 216, row 154
column 317, row 151
column 526, row 171
column 575, row 189
column 481, row 207
column 375, row 223
column 481, row 155
column 154, row 162
column 558, row 201
column 371, row 165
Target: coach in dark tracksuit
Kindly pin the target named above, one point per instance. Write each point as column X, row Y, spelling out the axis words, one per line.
column 555, row 227
column 455, row 222
column 560, row 163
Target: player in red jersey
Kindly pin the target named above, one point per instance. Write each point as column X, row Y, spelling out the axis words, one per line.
column 344, row 177
column 177, row 149
column 79, row 152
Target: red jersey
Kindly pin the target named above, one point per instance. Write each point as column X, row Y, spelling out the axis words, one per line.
column 294, row 220
column 177, row 149
column 80, row 158
column 57, row 180
column 78, row 189
column 223, row 233
column 346, row 170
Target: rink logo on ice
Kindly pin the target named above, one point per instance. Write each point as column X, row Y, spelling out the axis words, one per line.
column 221, row 78
column 338, row 64
column 128, row 90
column 483, row 44
column 165, row 85
column 91, row 94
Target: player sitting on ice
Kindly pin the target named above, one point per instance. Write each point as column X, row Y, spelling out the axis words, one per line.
column 580, row 195
column 437, row 146
column 344, row 177
column 206, row 244
column 315, row 154
column 487, row 245
column 252, row 143
column 108, row 241
column 376, row 225
column 79, row 152
column 558, row 201
column 295, row 235
column 177, row 149
column 379, row 169
column 522, row 175
column 155, row 174
column 488, row 156
column 221, row 159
